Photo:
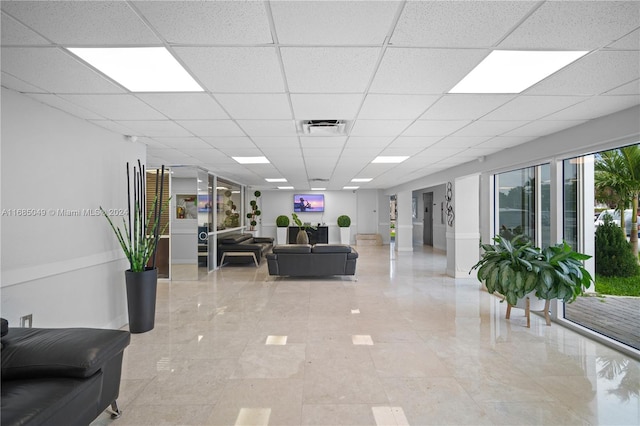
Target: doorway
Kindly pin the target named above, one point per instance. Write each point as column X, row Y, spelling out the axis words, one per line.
column 427, row 229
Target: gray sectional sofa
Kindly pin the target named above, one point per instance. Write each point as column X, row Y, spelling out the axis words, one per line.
column 305, row 260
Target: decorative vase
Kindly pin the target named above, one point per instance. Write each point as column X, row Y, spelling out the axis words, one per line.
column 141, row 299
column 302, row 237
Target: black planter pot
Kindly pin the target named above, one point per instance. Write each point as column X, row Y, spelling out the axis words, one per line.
column 141, row 299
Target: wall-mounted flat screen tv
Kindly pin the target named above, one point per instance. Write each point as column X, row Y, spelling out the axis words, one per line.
column 308, row 202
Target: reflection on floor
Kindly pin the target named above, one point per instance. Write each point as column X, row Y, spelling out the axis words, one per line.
column 402, row 345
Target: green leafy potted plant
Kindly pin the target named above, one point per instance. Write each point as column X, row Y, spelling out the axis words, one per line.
column 138, row 238
column 518, row 271
column 282, row 223
column 255, row 211
column 344, row 222
column 302, row 237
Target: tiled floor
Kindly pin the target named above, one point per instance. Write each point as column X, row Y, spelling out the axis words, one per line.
column 402, row 345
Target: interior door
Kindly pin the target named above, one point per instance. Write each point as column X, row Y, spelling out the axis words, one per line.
column 427, row 236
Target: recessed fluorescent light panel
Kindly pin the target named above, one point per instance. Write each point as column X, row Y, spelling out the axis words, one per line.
column 140, row 69
column 512, row 71
column 273, row 180
column 285, row 187
column 318, row 189
column 251, row 160
column 350, row 187
column 361, row 179
column 390, row 159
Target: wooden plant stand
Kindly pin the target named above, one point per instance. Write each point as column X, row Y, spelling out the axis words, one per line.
column 527, row 312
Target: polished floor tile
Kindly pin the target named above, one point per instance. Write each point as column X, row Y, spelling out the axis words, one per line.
column 402, row 345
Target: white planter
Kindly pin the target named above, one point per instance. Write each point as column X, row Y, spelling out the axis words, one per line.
column 345, row 235
column 281, row 235
column 531, row 303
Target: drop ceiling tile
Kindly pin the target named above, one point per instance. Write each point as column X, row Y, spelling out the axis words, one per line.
column 434, row 128
column 542, row 128
column 369, row 141
column 504, row 142
column 154, row 128
column 415, row 71
column 14, row 33
column 591, row 75
column 183, row 143
column 580, row 25
column 115, row 107
column 596, row 107
column 631, row 41
column 182, row 106
column 208, row 155
column 64, row 105
column 631, row 88
column 532, row 107
column 229, row 142
column 114, row 127
column 234, row 69
column 325, row 107
column 242, row 152
column 395, row 107
column 464, row 107
column 169, row 156
column 480, row 152
column 442, row 153
column 13, row 83
column 333, row 22
column 215, row 22
column 322, row 141
column 407, row 150
column 83, row 22
column 328, row 69
column 324, row 152
column 489, row 128
column 378, row 128
column 458, row 24
column 418, row 142
column 211, row 127
column 459, row 142
column 54, row 71
column 277, row 142
column 256, row 106
column 260, row 128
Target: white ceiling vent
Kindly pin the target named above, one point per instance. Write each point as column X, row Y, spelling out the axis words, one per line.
column 323, row 127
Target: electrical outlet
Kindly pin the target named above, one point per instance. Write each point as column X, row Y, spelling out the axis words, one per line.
column 26, row 321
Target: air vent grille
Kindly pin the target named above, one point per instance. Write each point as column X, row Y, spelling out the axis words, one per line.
column 323, row 127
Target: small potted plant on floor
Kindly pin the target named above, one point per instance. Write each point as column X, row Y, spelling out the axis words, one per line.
column 521, row 272
column 282, row 223
column 344, row 222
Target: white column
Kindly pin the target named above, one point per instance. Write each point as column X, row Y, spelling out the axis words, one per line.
column 466, row 230
column 404, row 222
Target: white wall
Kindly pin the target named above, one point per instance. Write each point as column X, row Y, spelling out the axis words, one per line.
column 65, row 270
column 274, row 203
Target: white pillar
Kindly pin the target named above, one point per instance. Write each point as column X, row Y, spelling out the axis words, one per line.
column 466, row 230
column 404, row 222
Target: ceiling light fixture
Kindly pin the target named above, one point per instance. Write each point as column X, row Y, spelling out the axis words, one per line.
column 318, row 189
column 390, row 159
column 361, row 179
column 273, row 180
column 251, row 160
column 512, row 71
column 350, row 187
column 140, row 69
column 285, row 187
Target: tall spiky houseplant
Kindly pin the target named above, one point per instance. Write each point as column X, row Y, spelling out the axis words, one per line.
column 138, row 237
